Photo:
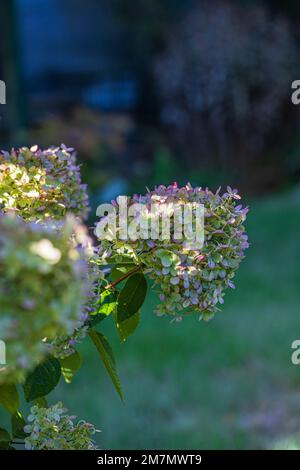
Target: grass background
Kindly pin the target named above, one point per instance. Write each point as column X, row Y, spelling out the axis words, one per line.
column 224, row 384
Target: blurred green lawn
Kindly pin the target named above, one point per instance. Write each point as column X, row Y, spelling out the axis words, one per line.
column 225, row 384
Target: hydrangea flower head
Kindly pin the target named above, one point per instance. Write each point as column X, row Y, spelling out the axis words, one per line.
column 43, row 290
column 41, row 184
column 187, row 279
column 52, row 429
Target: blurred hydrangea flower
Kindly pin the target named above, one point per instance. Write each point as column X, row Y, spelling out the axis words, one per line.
column 64, row 345
column 52, row 429
column 43, row 290
column 40, row 184
column 188, row 280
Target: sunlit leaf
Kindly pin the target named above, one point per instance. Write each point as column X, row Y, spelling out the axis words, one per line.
column 107, row 303
column 69, row 366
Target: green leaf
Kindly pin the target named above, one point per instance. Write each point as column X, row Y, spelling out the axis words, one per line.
column 107, row 303
column 17, row 425
column 120, row 269
column 4, row 435
column 9, row 398
column 6, row 446
column 95, row 319
column 107, row 356
column 69, row 366
column 43, row 379
column 131, row 297
column 127, row 327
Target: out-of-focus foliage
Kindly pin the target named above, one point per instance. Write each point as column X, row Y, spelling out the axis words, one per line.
column 145, row 25
column 41, row 184
column 146, row 22
column 100, row 140
column 52, row 429
column 43, row 288
column 224, row 82
column 188, row 279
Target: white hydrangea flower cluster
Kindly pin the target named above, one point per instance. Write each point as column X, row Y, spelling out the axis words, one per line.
column 41, row 184
column 52, row 429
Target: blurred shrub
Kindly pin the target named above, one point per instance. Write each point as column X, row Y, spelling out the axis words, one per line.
column 100, row 140
column 167, row 167
column 164, row 166
column 224, row 82
column 145, row 25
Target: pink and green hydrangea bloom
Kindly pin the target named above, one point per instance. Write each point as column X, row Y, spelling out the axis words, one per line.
column 188, row 280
